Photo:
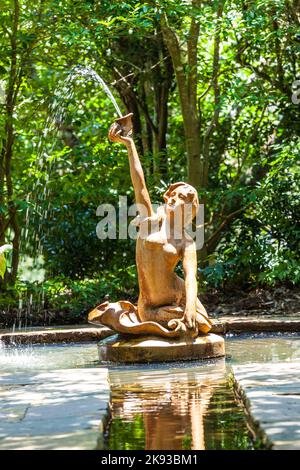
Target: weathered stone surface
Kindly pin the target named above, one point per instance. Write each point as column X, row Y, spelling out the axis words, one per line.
column 79, row 333
column 271, row 396
column 56, row 335
column 249, row 325
column 63, row 409
column 154, row 349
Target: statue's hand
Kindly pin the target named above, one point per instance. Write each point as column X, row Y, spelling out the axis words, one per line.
column 115, row 134
column 189, row 317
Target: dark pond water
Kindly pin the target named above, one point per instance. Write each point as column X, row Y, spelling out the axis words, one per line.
column 176, row 409
column 189, row 405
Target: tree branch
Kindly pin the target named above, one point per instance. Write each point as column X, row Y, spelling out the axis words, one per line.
column 223, row 224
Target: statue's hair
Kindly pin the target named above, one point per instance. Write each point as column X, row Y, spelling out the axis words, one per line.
column 160, row 213
column 173, row 186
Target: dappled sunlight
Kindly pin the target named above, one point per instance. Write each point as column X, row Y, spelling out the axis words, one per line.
column 53, row 406
column 106, row 108
column 184, row 405
column 272, row 392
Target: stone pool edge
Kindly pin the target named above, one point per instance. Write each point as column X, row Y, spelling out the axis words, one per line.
column 256, row 431
column 270, row 396
column 57, row 335
column 79, row 333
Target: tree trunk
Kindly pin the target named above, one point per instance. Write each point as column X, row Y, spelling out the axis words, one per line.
column 187, row 87
column 7, row 152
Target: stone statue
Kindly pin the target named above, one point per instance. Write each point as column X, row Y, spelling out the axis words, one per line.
column 168, row 305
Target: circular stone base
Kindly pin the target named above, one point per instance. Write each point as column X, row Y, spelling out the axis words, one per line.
column 153, row 349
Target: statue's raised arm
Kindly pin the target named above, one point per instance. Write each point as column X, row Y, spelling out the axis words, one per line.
column 120, row 132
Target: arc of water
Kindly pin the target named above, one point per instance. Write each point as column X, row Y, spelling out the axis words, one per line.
column 57, row 115
column 89, row 72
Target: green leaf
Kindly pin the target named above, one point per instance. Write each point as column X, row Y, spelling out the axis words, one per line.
column 2, row 265
column 3, row 248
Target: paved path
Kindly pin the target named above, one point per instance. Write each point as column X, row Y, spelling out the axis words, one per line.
column 271, row 394
column 63, row 409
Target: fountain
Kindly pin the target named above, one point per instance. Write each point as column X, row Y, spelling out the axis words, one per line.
column 157, row 406
column 169, row 323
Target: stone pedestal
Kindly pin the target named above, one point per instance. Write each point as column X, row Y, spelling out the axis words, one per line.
column 154, row 349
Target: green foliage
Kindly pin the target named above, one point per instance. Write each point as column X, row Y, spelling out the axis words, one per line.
column 2, row 265
column 64, row 300
column 3, row 249
column 263, row 246
column 127, row 435
column 77, row 298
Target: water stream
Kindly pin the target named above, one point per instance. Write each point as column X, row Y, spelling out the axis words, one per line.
column 88, row 72
column 39, row 207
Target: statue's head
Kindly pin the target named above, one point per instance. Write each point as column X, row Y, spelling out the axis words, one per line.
column 181, row 201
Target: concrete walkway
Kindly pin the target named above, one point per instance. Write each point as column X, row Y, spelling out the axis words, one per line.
column 63, row 409
column 271, row 395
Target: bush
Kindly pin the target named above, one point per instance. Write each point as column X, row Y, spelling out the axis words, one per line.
column 64, row 300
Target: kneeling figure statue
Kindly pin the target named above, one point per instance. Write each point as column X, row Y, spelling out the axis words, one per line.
column 168, row 306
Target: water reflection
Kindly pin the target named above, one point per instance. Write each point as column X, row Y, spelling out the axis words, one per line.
column 188, row 407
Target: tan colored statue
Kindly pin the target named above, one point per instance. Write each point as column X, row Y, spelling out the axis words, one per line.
column 168, row 305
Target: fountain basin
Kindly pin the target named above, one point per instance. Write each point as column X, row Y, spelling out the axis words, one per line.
column 51, row 398
column 153, row 349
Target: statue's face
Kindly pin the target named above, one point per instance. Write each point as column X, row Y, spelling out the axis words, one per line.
column 179, row 203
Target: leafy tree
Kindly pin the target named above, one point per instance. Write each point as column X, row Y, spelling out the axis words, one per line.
column 210, row 85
